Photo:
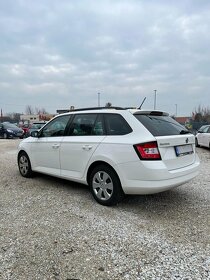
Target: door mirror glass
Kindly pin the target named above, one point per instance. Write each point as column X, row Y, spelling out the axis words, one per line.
column 34, row 134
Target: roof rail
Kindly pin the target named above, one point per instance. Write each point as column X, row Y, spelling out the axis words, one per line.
column 96, row 108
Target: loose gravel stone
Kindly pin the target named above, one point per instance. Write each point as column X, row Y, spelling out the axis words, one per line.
column 53, row 229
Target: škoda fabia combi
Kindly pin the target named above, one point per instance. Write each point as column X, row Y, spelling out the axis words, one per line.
column 115, row 151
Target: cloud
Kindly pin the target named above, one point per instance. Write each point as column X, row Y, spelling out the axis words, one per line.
column 71, row 50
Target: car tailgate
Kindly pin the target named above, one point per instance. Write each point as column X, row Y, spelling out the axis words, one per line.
column 177, row 151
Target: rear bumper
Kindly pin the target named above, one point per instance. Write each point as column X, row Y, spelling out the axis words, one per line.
column 145, row 180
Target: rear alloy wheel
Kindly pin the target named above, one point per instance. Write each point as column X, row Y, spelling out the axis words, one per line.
column 105, row 186
column 24, row 165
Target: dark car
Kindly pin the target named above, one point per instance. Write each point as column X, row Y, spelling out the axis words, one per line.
column 10, row 130
column 35, row 127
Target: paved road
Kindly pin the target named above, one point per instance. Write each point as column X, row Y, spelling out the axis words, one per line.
column 53, row 229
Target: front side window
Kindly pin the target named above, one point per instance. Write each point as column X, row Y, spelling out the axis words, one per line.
column 206, row 129
column 56, row 127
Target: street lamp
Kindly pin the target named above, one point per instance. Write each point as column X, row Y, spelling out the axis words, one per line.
column 98, row 99
column 155, row 99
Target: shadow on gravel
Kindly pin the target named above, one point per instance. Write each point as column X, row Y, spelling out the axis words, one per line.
column 54, row 182
column 180, row 199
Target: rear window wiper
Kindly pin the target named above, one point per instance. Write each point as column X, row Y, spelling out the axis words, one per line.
column 184, row 132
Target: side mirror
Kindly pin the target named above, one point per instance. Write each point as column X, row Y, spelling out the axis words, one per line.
column 34, row 134
column 200, row 131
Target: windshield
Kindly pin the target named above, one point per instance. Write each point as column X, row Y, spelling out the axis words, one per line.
column 161, row 125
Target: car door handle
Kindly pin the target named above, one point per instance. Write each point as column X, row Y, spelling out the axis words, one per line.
column 55, row 146
column 87, row 147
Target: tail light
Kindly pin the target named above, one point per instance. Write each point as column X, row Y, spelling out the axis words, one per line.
column 148, row 151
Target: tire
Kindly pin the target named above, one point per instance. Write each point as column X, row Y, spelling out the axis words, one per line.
column 24, row 165
column 196, row 142
column 105, row 186
column 5, row 136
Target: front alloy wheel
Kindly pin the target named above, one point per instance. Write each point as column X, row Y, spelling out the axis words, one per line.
column 105, row 185
column 24, row 165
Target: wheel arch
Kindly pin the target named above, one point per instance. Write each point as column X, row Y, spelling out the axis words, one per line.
column 25, row 152
column 20, row 152
column 100, row 162
column 24, row 164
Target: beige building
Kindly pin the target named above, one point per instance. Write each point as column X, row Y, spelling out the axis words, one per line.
column 29, row 118
column 35, row 118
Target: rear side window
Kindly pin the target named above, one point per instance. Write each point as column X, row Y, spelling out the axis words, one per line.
column 82, row 124
column 161, row 125
column 86, row 125
column 116, row 125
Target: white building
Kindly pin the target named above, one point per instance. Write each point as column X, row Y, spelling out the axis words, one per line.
column 29, row 118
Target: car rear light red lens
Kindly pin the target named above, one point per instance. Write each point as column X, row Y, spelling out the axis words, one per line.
column 148, row 151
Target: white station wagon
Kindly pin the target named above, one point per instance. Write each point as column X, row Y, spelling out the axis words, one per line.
column 115, row 151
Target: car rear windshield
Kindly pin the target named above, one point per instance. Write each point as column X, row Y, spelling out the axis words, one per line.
column 161, row 125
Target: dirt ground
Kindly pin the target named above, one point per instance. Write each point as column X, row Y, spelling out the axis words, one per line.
column 53, row 229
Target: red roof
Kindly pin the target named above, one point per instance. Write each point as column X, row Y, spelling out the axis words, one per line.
column 182, row 119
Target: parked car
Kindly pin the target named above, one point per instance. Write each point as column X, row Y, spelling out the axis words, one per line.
column 202, row 137
column 25, row 128
column 10, row 130
column 115, row 151
column 35, row 127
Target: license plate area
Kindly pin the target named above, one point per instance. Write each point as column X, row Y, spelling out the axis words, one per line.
column 183, row 150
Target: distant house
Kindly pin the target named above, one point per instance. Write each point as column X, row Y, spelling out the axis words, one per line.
column 183, row 120
column 29, row 118
column 35, row 118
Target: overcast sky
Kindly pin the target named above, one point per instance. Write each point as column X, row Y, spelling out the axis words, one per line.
column 58, row 53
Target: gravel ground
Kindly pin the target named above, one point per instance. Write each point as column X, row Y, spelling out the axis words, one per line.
column 53, row 229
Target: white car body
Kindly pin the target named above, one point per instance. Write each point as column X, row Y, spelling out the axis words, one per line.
column 71, row 157
column 203, row 136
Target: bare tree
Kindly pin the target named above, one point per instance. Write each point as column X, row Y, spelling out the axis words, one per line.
column 201, row 114
column 12, row 117
column 40, row 111
column 29, row 110
column 37, row 110
column 108, row 104
column 43, row 111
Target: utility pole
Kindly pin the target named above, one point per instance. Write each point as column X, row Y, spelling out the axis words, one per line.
column 155, row 99
column 98, row 99
column 176, row 109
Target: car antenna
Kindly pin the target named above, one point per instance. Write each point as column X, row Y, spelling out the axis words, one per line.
column 142, row 103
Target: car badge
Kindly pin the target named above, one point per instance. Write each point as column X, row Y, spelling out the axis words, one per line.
column 187, row 140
